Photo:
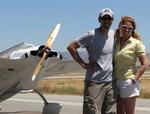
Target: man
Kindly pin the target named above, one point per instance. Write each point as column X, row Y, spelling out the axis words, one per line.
column 98, row 90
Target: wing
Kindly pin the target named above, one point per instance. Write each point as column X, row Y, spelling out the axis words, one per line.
column 20, row 46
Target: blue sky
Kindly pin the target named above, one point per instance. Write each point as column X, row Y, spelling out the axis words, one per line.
column 32, row 20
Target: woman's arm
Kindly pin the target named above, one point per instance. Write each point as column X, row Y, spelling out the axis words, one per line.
column 144, row 63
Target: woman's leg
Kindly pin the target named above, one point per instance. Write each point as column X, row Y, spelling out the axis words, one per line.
column 129, row 104
column 120, row 108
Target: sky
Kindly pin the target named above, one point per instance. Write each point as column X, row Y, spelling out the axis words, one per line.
column 31, row 21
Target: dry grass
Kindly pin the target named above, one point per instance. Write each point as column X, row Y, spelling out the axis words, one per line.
column 61, row 86
column 145, row 88
column 75, row 87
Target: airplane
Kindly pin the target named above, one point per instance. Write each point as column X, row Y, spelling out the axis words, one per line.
column 22, row 66
column 16, row 69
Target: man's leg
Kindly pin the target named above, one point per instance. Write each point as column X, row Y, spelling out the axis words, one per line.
column 93, row 98
column 109, row 106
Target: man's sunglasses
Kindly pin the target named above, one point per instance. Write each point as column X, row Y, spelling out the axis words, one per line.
column 106, row 18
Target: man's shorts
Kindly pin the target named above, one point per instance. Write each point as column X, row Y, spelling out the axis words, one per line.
column 127, row 89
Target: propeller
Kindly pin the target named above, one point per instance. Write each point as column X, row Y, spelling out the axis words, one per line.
column 48, row 44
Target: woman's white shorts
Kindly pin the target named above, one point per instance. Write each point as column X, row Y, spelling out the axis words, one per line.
column 127, row 89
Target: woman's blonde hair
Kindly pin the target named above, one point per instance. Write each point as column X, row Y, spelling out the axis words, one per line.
column 118, row 32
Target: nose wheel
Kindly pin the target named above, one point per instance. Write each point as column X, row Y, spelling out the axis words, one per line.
column 49, row 108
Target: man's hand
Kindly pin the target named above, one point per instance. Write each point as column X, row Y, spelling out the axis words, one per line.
column 90, row 66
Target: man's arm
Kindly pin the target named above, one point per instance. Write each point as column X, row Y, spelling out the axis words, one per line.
column 72, row 48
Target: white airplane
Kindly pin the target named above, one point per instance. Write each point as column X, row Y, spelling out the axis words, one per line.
column 16, row 69
column 22, row 66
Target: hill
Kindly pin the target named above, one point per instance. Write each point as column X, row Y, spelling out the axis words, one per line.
column 84, row 55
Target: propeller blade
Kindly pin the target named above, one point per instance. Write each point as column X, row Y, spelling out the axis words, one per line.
column 49, row 43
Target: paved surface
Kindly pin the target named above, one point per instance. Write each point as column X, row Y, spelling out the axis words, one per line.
column 31, row 103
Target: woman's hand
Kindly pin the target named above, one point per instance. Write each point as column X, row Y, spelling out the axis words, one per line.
column 133, row 80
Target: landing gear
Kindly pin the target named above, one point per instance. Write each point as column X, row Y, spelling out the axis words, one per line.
column 49, row 108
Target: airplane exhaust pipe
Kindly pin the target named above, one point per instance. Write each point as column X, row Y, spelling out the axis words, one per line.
column 49, row 108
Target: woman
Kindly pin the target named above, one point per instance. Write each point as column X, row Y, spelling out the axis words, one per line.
column 128, row 49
